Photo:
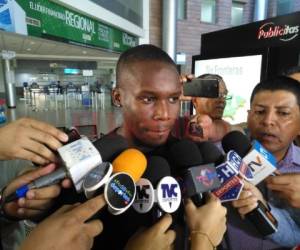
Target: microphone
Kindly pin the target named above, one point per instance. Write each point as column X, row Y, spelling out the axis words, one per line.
column 127, row 168
column 131, row 161
column 262, row 164
column 197, row 178
column 228, row 168
column 167, row 194
column 210, row 152
column 79, row 157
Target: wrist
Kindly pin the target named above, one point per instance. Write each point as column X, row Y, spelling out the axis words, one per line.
column 197, row 237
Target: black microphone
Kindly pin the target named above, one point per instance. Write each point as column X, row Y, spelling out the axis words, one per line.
column 110, row 146
column 157, row 191
column 261, row 217
column 237, row 141
column 210, row 153
column 197, row 177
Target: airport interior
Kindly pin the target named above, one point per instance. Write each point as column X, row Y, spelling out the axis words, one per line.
column 59, row 57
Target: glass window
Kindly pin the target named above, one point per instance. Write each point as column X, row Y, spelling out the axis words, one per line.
column 131, row 10
column 181, row 9
column 208, row 11
column 237, row 13
column 284, row 7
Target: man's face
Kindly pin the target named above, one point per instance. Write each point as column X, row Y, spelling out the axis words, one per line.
column 213, row 107
column 149, row 94
column 274, row 120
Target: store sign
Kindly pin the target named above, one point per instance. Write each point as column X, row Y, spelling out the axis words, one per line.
column 283, row 32
column 42, row 18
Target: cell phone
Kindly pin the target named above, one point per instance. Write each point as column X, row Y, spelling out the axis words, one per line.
column 202, row 88
column 195, row 129
column 262, row 218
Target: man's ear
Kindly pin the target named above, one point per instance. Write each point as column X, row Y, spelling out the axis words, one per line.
column 116, row 97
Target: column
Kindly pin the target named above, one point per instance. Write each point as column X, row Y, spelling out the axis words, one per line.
column 9, row 78
column 169, row 16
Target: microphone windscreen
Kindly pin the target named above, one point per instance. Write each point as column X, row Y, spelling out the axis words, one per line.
column 132, row 162
column 210, row 153
column 157, row 168
column 237, row 141
column 110, row 146
column 185, row 154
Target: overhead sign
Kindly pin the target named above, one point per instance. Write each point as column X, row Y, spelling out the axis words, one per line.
column 46, row 19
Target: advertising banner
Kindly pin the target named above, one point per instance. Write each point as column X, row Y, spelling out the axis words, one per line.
column 46, row 19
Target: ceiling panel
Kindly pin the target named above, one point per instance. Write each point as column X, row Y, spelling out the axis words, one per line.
column 32, row 47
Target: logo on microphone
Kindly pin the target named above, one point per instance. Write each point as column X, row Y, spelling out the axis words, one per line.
column 206, row 177
column 142, row 192
column 253, row 165
column 169, row 191
column 119, row 192
column 144, row 198
column 168, row 194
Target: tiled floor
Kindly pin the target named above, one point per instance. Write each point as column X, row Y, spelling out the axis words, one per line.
column 68, row 111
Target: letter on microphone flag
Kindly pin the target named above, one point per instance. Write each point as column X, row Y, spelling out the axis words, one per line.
column 238, row 165
column 231, row 184
column 261, row 162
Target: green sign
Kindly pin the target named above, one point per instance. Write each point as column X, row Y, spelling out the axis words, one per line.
column 52, row 21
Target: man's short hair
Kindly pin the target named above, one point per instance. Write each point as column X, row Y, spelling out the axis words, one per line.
column 278, row 83
column 144, row 52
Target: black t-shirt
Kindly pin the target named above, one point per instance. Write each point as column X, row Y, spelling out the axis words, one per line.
column 119, row 228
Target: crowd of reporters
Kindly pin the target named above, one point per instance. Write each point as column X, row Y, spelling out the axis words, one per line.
column 148, row 90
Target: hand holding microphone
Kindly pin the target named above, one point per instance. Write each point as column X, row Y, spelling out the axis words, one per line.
column 248, row 200
column 78, row 158
column 261, row 163
column 207, row 221
column 36, row 201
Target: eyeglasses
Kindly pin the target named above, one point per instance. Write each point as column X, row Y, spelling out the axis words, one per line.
column 225, row 96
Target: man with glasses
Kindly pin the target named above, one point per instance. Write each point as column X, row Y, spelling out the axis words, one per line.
column 208, row 124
